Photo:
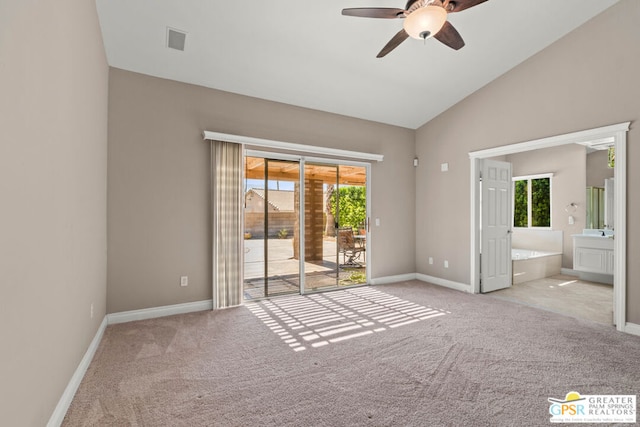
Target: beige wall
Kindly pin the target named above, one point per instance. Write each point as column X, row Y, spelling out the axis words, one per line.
column 53, row 166
column 568, row 164
column 158, row 197
column 598, row 169
column 587, row 79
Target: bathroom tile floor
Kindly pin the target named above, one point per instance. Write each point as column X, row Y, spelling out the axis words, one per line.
column 566, row 295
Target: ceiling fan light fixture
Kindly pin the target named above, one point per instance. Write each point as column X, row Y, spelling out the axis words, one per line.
column 425, row 21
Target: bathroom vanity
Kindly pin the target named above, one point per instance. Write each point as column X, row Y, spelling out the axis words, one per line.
column 593, row 255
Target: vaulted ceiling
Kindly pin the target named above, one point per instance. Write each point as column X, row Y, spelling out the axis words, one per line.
column 306, row 53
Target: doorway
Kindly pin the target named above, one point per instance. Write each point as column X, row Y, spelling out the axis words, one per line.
column 615, row 135
column 305, row 224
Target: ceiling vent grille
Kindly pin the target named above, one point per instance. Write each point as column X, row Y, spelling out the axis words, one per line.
column 176, row 39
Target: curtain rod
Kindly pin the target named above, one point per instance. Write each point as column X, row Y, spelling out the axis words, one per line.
column 290, row 146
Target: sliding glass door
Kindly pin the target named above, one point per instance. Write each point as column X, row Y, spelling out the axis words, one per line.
column 320, row 243
column 353, row 225
column 270, row 220
column 306, row 225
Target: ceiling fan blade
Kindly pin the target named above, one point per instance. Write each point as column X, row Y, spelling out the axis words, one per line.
column 393, row 43
column 450, row 36
column 461, row 5
column 374, row 12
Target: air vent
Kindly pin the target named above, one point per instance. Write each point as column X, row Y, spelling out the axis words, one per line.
column 176, row 39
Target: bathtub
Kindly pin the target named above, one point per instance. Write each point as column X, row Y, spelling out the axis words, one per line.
column 533, row 265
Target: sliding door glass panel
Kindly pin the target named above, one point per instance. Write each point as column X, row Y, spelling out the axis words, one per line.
column 283, row 268
column 270, row 217
column 320, row 243
column 352, row 225
column 255, row 283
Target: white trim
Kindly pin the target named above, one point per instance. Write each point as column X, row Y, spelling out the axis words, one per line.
column 153, row 312
column 290, row 146
column 271, row 155
column 67, row 396
column 393, row 279
column 463, row 287
column 617, row 133
column 620, row 223
column 474, row 263
column 585, row 137
column 530, row 177
column 632, row 328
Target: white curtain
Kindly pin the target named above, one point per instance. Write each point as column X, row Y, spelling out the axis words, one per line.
column 226, row 185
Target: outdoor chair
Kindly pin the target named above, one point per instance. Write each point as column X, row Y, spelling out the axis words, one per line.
column 351, row 252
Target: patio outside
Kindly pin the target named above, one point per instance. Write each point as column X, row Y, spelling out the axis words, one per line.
column 334, row 239
column 283, row 268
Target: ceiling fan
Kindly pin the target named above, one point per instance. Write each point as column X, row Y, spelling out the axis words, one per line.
column 424, row 19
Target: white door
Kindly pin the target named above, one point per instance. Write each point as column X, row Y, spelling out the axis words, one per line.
column 495, row 251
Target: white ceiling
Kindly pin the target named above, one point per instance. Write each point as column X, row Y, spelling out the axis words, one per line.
column 306, row 53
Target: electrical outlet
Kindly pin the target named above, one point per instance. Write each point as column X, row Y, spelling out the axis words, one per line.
column 431, row 260
column 446, row 264
column 444, row 167
column 184, row 280
column 92, row 310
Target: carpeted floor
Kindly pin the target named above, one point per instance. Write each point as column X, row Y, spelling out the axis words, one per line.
column 408, row 354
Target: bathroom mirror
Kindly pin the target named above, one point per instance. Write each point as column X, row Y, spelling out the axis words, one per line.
column 595, row 207
column 599, row 201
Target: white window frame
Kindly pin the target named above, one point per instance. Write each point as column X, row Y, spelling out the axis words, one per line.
column 529, row 178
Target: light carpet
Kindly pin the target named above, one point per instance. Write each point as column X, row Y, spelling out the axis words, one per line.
column 407, row 354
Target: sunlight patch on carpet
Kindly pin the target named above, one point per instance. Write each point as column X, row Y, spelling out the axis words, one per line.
column 318, row 320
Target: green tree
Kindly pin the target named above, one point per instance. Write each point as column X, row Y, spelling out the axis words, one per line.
column 520, row 208
column 540, row 209
column 353, row 205
column 541, row 202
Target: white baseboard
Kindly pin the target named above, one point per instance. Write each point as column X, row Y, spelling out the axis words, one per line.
column 444, row 282
column 151, row 313
column 632, row 328
column 423, row 278
column 67, row 396
column 393, row 279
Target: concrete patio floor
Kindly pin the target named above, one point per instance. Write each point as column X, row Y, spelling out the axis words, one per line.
column 283, row 268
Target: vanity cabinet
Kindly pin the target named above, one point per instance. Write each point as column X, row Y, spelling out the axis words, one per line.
column 593, row 254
